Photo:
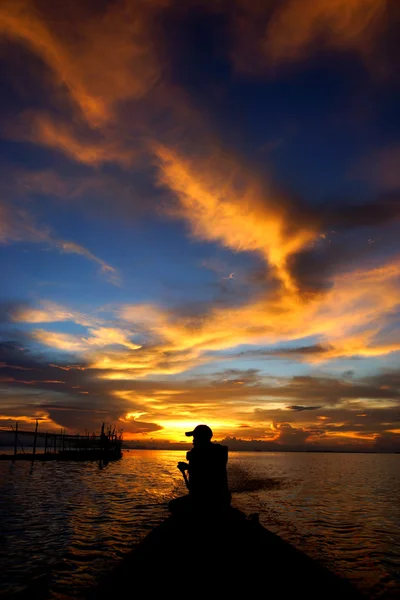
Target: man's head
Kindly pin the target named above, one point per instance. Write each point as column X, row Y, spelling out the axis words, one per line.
column 201, row 434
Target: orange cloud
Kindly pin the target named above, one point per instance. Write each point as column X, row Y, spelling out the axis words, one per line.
column 294, row 29
column 101, row 58
column 93, row 149
column 257, row 409
column 344, row 24
column 223, row 203
column 260, row 411
column 28, row 419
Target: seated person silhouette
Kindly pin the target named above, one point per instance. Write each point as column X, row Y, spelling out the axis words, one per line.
column 208, row 481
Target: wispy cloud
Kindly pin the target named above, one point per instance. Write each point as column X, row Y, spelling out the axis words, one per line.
column 59, row 341
column 51, row 312
column 17, row 225
column 278, row 33
column 345, row 24
column 82, row 145
column 104, row 336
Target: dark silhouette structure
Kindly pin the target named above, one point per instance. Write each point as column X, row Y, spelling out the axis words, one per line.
column 207, row 479
column 62, row 446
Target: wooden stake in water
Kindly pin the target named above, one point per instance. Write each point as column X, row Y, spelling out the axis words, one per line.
column 16, row 438
column 34, row 440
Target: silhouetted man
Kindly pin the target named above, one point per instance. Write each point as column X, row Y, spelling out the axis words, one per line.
column 208, row 480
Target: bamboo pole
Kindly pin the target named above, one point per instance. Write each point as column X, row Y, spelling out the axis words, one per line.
column 16, row 438
column 34, row 440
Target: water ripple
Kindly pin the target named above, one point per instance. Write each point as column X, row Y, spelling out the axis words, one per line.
column 65, row 523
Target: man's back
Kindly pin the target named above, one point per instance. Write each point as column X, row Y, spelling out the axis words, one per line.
column 208, row 479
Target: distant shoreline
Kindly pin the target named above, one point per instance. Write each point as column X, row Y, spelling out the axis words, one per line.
column 273, row 451
column 7, row 449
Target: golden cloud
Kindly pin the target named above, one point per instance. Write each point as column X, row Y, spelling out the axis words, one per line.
column 101, row 58
column 350, row 318
column 223, row 203
column 102, row 336
column 59, row 341
column 107, row 336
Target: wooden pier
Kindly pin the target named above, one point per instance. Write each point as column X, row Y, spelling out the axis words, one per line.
column 62, row 446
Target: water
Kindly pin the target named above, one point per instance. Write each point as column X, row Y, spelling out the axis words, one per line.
column 66, row 523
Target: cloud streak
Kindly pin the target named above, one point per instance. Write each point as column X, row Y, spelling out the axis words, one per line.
column 17, row 225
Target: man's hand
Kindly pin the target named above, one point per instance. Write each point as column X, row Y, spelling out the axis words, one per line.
column 182, row 466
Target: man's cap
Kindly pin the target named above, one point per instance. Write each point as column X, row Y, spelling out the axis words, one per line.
column 201, row 431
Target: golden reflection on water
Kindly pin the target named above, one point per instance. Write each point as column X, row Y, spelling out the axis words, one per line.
column 71, row 521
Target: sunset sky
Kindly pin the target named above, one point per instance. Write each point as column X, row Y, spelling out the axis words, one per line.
column 199, row 219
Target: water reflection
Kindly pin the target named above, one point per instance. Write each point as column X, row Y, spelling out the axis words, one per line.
column 71, row 521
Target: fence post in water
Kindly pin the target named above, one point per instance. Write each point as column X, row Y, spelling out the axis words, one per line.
column 34, row 440
column 16, row 438
column 45, row 443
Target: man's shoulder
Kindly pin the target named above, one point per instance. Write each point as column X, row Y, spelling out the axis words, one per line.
column 220, row 448
column 213, row 447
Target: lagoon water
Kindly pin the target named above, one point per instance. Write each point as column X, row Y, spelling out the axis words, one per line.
column 66, row 523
